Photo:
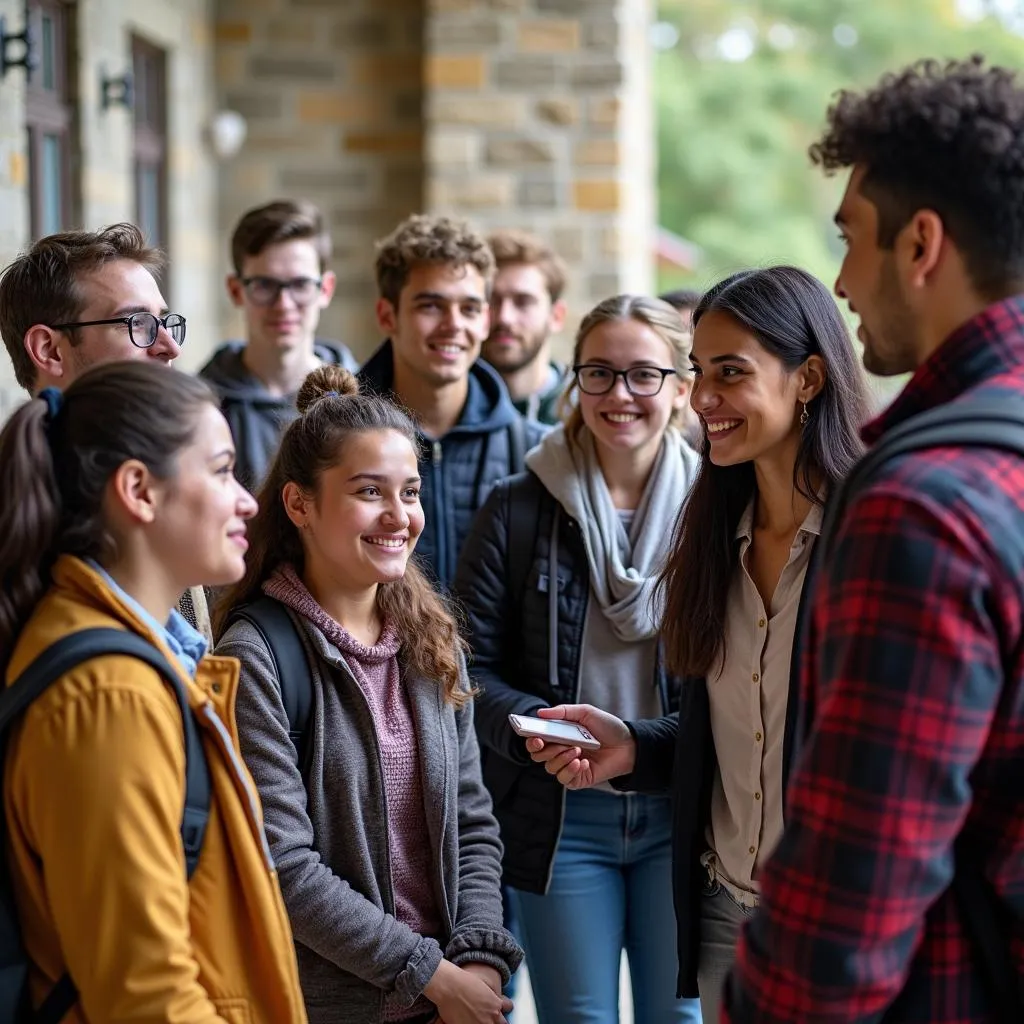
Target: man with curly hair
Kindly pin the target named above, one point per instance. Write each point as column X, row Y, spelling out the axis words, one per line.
column 904, row 840
column 433, row 277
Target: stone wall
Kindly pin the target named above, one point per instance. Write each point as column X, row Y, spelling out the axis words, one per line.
column 102, row 40
column 333, row 94
column 528, row 113
column 539, row 116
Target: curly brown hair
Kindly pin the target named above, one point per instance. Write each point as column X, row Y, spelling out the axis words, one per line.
column 426, row 239
column 332, row 411
column 947, row 137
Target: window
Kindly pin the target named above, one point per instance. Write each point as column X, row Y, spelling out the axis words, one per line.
column 149, row 71
column 49, row 120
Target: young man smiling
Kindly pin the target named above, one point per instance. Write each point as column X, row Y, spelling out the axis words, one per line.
column 281, row 283
column 433, row 278
column 82, row 298
column 526, row 311
column 904, row 822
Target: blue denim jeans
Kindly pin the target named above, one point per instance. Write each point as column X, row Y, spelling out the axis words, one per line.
column 721, row 919
column 611, row 889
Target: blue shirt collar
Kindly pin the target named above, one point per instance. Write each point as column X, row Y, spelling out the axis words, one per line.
column 188, row 645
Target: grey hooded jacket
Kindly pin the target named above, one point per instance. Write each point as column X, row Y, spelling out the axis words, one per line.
column 329, row 834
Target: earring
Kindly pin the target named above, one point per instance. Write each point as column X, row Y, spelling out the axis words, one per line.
column 804, row 416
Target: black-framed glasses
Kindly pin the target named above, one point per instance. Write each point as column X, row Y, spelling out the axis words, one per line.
column 265, row 291
column 143, row 328
column 641, row 381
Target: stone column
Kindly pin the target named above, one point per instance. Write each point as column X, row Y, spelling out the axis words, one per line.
column 538, row 114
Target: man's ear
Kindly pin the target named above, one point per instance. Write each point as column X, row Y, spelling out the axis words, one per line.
column 43, row 347
column 922, row 238
column 387, row 316
column 136, row 491
column 556, row 321
column 329, row 281
column 236, row 291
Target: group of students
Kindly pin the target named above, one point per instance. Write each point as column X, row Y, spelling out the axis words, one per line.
column 792, row 749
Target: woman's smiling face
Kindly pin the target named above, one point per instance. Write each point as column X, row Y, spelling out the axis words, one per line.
column 745, row 397
column 618, row 420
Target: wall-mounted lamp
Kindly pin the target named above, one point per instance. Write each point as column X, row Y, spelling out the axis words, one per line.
column 226, row 132
column 11, row 43
column 117, row 90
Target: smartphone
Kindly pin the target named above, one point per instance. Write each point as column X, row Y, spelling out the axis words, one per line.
column 568, row 733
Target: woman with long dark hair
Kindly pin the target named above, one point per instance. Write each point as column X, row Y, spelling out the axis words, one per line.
column 780, row 398
column 377, row 816
column 136, row 901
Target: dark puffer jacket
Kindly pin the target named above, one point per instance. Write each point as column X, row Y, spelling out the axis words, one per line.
column 527, row 637
column 459, row 469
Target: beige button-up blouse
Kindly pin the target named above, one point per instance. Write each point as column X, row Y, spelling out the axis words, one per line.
column 748, row 694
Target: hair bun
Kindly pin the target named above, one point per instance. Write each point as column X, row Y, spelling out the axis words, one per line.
column 324, row 381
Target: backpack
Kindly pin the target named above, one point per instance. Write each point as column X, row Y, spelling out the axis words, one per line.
column 991, row 422
column 272, row 620
column 58, row 659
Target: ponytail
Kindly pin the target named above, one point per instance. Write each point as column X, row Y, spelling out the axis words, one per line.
column 30, row 513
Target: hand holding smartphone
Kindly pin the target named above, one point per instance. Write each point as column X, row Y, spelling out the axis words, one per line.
column 567, row 734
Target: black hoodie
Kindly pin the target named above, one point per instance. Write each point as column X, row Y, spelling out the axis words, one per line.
column 257, row 418
column 459, row 469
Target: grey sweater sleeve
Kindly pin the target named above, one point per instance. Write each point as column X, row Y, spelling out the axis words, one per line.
column 478, row 935
column 327, row 915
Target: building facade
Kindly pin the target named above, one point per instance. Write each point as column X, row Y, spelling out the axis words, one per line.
column 525, row 113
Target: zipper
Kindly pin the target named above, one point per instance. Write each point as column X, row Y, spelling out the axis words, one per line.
column 241, row 778
column 440, row 522
column 390, row 891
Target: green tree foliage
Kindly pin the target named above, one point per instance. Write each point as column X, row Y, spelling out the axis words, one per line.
column 743, row 92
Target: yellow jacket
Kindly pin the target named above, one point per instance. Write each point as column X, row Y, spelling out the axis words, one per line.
column 94, row 786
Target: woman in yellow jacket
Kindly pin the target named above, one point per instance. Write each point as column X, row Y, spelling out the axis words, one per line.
column 114, row 500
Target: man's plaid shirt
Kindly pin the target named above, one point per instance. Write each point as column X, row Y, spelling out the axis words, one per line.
column 914, row 675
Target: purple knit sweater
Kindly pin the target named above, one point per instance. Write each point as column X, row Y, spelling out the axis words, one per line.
column 377, row 672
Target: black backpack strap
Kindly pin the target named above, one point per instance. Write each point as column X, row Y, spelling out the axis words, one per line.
column 517, row 445
column 291, row 663
column 61, row 658
column 991, row 422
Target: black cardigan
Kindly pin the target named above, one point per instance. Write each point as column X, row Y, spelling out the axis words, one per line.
column 677, row 753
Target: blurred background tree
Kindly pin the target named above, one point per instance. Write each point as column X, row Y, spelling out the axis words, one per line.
column 742, row 89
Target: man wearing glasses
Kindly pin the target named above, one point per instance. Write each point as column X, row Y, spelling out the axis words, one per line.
column 281, row 283
column 83, row 298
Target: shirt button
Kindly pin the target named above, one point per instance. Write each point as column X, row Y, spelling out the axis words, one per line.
column 760, row 623
column 756, row 677
column 752, row 850
column 757, row 736
column 757, row 796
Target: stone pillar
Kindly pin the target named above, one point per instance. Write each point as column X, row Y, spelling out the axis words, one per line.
column 539, row 115
column 333, row 93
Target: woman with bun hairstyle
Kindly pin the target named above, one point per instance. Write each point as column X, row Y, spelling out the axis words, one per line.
column 558, row 578
column 116, row 498
column 382, row 831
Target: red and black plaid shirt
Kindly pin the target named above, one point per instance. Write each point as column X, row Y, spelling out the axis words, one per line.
column 915, row 673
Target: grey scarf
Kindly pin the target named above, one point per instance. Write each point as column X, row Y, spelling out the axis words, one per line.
column 623, row 568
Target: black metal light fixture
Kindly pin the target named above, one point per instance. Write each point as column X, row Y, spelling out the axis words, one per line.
column 17, row 49
column 117, row 90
